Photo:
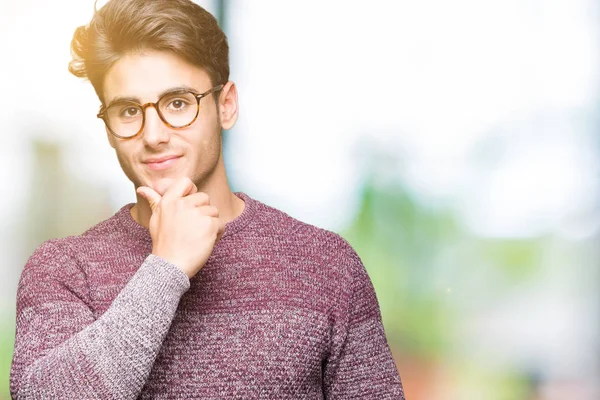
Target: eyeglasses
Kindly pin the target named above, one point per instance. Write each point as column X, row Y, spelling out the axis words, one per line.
column 178, row 109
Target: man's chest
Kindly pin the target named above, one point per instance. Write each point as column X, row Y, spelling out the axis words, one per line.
column 241, row 331
column 276, row 351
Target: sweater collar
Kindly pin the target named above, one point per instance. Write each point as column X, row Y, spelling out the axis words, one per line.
column 142, row 233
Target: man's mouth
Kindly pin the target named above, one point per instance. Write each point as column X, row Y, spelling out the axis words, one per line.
column 161, row 163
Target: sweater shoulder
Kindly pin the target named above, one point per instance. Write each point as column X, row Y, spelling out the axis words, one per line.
column 68, row 248
column 304, row 237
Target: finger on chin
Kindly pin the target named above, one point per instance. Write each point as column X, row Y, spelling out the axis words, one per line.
column 179, row 187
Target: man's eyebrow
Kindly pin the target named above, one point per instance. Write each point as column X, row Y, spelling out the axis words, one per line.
column 123, row 99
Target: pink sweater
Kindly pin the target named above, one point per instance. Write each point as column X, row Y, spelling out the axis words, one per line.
column 281, row 310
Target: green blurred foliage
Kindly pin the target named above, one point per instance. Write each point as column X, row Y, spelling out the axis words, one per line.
column 518, row 259
column 429, row 272
column 474, row 382
column 7, row 336
column 399, row 240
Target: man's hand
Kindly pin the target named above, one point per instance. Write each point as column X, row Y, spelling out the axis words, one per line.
column 184, row 226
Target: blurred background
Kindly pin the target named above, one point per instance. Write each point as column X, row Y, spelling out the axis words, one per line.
column 455, row 145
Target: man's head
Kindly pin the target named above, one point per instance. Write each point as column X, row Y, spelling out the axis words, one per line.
column 169, row 53
column 129, row 26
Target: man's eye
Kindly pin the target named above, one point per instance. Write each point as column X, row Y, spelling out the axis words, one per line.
column 130, row 112
column 177, row 104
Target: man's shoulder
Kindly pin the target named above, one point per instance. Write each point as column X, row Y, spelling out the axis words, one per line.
column 304, row 236
column 106, row 231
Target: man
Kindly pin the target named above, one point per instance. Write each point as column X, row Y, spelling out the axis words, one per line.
column 193, row 291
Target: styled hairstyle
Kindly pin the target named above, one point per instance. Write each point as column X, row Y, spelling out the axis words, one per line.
column 123, row 26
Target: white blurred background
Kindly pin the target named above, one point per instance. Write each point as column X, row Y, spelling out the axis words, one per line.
column 454, row 144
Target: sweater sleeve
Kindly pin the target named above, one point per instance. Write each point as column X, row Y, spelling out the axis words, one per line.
column 60, row 348
column 360, row 364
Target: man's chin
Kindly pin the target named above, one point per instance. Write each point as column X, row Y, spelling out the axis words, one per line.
column 161, row 186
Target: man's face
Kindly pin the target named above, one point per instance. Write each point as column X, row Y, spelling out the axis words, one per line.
column 161, row 154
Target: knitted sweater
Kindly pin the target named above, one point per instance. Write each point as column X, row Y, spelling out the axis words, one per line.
column 281, row 310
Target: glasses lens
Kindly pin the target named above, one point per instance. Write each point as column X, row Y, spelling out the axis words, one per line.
column 124, row 119
column 178, row 109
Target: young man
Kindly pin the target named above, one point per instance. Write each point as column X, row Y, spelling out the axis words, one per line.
column 193, row 291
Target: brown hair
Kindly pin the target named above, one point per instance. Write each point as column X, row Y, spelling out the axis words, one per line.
column 122, row 26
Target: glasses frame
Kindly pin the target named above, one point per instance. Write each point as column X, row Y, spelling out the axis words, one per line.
column 102, row 112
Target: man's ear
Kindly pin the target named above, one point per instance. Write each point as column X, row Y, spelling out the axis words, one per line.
column 228, row 105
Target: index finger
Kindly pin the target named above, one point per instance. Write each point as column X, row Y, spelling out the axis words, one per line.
column 180, row 188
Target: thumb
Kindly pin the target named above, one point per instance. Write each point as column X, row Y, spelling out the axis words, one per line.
column 150, row 195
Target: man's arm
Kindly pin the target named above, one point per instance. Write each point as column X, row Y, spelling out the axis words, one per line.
column 61, row 350
column 59, row 346
column 360, row 365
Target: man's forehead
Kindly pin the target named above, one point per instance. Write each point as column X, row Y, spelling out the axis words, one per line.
column 148, row 75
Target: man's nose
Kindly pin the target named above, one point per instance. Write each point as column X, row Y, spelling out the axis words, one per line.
column 155, row 131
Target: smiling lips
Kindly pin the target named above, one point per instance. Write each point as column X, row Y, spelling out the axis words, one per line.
column 161, row 163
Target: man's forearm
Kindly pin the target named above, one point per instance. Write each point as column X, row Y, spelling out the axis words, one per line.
column 112, row 357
